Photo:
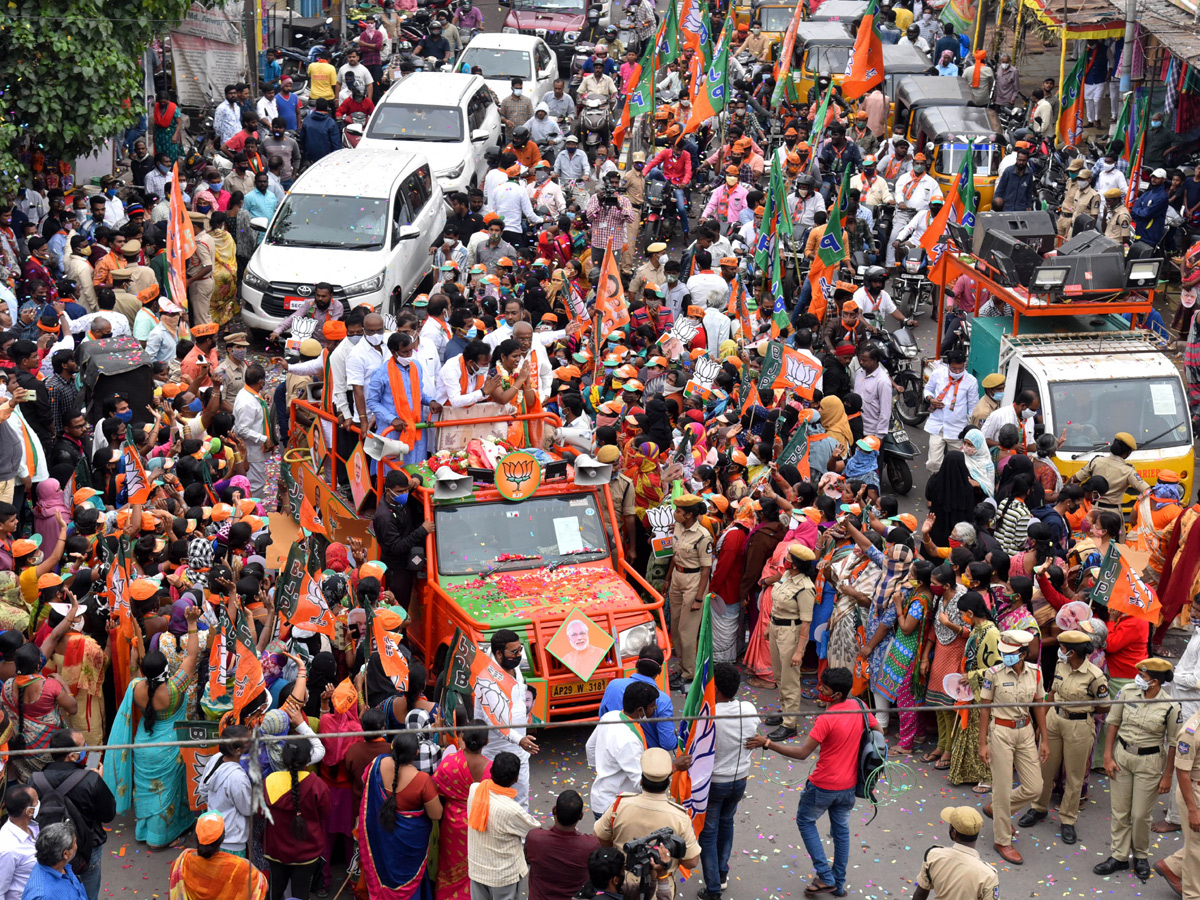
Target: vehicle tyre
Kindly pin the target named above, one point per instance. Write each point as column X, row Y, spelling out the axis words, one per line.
column 908, row 302
column 909, row 401
column 653, row 229
column 898, row 474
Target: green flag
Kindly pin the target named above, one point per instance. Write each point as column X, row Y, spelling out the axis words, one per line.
column 667, row 44
column 832, row 248
column 783, row 222
column 797, row 444
column 708, row 97
column 779, row 314
column 1124, row 119
column 775, row 212
column 706, row 45
column 291, row 577
column 818, row 127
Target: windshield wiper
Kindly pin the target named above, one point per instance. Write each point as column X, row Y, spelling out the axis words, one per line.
column 516, row 562
column 1150, row 443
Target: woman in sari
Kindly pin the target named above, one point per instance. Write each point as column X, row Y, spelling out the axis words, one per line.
column 942, row 655
column 642, row 468
column 34, row 704
column 395, row 824
column 170, row 643
column 980, row 653
column 835, row 422
column 453, row 778
column 14, row 614
column 80, row 661
column 518, row 386
column 224, row 304
column 854, row 579
column 156, row 774
column 897, row 677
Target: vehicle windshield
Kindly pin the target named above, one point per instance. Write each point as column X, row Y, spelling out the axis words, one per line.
column 830, row 59
column 541, row 531
column 950, row 157
column 549, row 5
column 497, row 63
column 413, row 122
column 776, row 18
column 321, row 220
column 1152, row 410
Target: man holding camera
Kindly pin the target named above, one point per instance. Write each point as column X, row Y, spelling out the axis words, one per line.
column 632, row 816
column 609, row 212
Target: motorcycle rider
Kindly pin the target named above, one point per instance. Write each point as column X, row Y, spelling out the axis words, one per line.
column 451, row 33
column 913, row 193
column 1081, row 199
column 616, row 48
column 861, row 135
column 839, row 155
column 872, row 298
column 435, row 45
column 757, row 45
column 913, row 37
column 544, row 130
column 726, row 203
column 912, row 233
column 571, row 165
column 806, row 202
column 525, row 150
column 468, row 17
column 357, row 102
column 676, row 168
column 601, row 60
column 543, row 192
column 872, row 187
column 894, row 159
column 1149, row 211
column 597, row 80
column 561, row 105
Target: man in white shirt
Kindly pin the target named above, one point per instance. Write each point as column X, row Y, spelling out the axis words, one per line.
column 911, row 234
column 458, row 388
column 18, row 837
column 873, row 299
column 1021, row 412
column 576, row 431
column 435, row 333
column 872, row 187
column 614, row 750
column 706, row 282
column 252, row 423
column 362, row 75
column 510, row 312
column 510, row 201
column 532, row 345
column 1185, row 688
column 913, row 192
column 502, row 703
column 952, row 393
column 367, row 356
column 543, row 192
column 343, row 400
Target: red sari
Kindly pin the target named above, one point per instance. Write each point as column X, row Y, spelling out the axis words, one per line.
column 453, row 780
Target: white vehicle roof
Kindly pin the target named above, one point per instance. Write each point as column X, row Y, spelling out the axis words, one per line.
column 495, row 40
column 1091, row 357
column 432, row 88
column 358, row 173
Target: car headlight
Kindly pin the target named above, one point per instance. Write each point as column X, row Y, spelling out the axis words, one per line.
column 507, row 30
column 374, row 283
column 253, row 280
column 456, row 171
column 631, row 641
column 570, row 37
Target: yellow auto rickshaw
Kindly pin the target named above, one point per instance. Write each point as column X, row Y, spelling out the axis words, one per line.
column 899, row 62
column 914, row 92
column 945, row 133
column 774, row 17
column 821, row 48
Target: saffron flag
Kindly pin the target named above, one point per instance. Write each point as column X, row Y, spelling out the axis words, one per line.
column 1070, row 114
column 864, row 68
column 310, row 611
column 494, row 691
column 218, row 651
column 822, row 275
column 137, row 484
column 698, row 730
column 118, row 591
column 181, row 242
column 387, row 644
column 1122, row 590
column 610, row 295
column 738, row 309
column 248, row 681
column 783, row 67
column 788, row 369
column 711, row 90
column 959, row 206
column 310, row 519
column 693, row 26
column 639, row 95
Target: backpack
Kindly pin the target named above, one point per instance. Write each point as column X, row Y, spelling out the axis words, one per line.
column 55, row 805
column 872, row 754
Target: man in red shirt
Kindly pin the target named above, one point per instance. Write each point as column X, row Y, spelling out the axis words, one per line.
column 831, row 782
column 676, row 167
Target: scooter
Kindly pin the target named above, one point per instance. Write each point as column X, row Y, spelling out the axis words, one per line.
column 895, row 450
column 658, row 194
column 583, row 52
column 353, row 131
column 595, row 123
column 902, row 359
column 913, row 287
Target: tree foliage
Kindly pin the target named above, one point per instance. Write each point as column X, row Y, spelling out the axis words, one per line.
column 69, row 73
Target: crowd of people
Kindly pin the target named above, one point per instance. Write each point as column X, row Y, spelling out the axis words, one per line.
column 140, row 582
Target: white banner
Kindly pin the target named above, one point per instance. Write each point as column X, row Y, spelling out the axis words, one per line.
column 203, row 67
column 222, row 23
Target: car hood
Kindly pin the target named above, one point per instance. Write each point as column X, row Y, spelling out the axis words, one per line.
column 531, row 20
column 507, row 597
column 307, row 265
column 442, row 157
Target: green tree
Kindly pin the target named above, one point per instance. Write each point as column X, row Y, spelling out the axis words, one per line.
column 70, row 73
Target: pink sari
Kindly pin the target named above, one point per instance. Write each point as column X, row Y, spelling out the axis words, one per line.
column 453, row 780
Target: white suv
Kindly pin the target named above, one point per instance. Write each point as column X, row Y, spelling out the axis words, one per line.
column 362, row 220
column 505, row 56
column 448, row 116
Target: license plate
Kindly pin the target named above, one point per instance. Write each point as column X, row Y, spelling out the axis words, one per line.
column 294, row 303
column 575, row 688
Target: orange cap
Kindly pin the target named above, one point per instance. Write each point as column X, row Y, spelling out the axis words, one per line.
column 49, row 580
column 143, row 589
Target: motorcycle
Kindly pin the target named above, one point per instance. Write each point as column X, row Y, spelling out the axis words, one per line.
column 355, row 125
column 895, row 450
column 902, row 359
column 583, row 52
column 913, row 287
column 658, row 195
column 595, row 123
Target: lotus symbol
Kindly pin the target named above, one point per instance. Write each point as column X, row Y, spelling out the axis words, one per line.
column 518, row 472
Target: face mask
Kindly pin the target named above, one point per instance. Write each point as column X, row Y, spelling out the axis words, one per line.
column 354, row 338
column 672, row 279
column 1027, row 414
column 472, row 332
column 995, row 395
column 404, row 361
column 938, row 589
column 238, row 353
column 111, row 192
column 37, row 806
column 202, row 209
column 1010, row 659
column 374, row 339
column 162, row 169
column 1154, row 124
column 1063, row 655
column 278, row 135
column 214, row 186
column 1005, row 66
column 511, row 662
column 1142, row 683
column 731, row 180
column 195, row 406
column 398, row 500
column 126, row 416
column 516, row 92
column 1106, row 166
column 919, row 169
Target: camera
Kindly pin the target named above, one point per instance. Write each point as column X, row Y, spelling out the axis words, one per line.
column 641, row 856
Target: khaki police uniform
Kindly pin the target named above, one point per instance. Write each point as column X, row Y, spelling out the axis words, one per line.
column 1143, row 732
column 1071, row 730
column 1185, row 861
column 634, row 183
column 635, row 815
column 1119, row 224
column 1011, row 742
column 984, row 408
column 1077, row 202
column 693, row 552
column 792, row 600
column 1120, row 475
column 623, row 500
column 957, row 873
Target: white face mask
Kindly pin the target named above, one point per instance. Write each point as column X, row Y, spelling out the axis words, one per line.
column 354, row 338
column 1028, row 413
column 1005, row 66
column 1142, row 683
column 375, row 339
column 404, row 361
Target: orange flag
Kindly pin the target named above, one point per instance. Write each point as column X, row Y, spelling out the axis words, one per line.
column 310, row 518
column 387, row 643
column 311, row 612
column 864, row 69
column 610, row 295
column 181, row 242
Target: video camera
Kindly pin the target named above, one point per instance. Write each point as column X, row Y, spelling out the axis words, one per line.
column 641, row 856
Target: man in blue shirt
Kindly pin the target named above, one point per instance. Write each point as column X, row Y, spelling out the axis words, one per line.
column 1149, row 211
column 271, row 67
column 287, row 104
column 1014, row 190
column 53, row 878
column 948, row 41
column 260, row 202
column 649, row 666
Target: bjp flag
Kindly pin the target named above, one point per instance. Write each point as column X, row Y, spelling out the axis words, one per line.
column 181, row 241
column 864, row 68
column 610, row 295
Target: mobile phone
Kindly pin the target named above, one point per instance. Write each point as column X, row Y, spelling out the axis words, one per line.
column 94, row 758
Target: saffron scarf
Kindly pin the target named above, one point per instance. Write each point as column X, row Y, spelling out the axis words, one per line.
column 477, row 816
column 268, row 423
column 164, row 115
column 408, row 404
column 636, row 728
column 464, row 383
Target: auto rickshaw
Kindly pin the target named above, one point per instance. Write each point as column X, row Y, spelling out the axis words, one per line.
column 914, row 92
column 945, row 133
column 820, row 47
column 838, row 11
column 773, row 16
column 900, row 61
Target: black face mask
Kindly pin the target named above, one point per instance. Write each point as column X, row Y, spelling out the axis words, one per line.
column 510, row 662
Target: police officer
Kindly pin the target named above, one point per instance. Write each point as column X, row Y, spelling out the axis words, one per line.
column 1182, row 868
column 792, row 600
column 989, row 399
column 1115, row 222
column 687, row 580
column 623, row 497
column 1133, row 758
column 1071, row 730
column 1081, row 199
column 1006, row 736
column 635, row 815
column 1115, row 468
column 957, row 872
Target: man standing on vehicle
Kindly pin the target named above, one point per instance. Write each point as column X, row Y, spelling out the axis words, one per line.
column 516, row 109
column 367, row 356
column 400, row 526
column 913, row 192
column 1014, row 189
column 951, row 393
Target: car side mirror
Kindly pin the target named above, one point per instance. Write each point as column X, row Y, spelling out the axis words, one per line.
column 407, row 233
column 479, row 135
column 259, row 224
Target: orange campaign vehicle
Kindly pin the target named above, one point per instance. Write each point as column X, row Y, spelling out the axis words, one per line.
column 523, row 541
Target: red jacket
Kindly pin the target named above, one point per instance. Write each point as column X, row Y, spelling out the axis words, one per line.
column 677, row 170
column 350, row 106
